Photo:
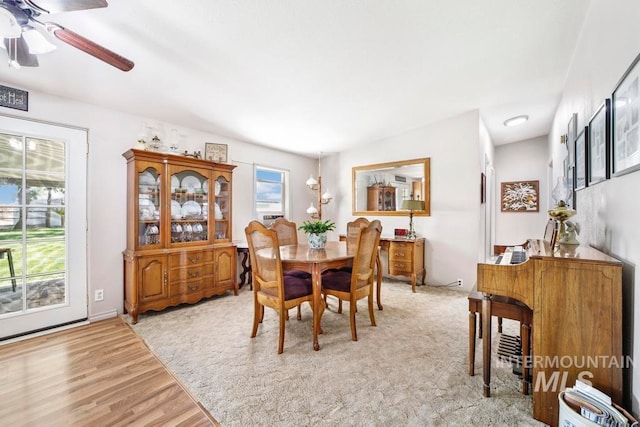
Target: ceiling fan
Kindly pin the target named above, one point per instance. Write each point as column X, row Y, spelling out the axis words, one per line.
column 23, row 42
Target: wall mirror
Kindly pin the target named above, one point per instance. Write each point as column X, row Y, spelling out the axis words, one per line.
column 380, row 189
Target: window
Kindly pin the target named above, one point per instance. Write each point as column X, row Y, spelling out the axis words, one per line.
column 271, row 192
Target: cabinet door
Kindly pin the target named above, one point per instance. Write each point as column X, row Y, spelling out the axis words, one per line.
column 148, row 205
column 152, row 278
column 225, row 267
column 189, row 208
column 222, row 206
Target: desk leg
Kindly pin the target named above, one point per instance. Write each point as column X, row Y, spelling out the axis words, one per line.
column 318, row 303
column 378, row 280
column 486, row 345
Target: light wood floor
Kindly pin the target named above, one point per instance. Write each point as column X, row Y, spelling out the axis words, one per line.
column 99, row 374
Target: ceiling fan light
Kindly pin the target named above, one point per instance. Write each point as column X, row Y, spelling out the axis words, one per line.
column 36, row 42
column 515, row 121
column 9, row 27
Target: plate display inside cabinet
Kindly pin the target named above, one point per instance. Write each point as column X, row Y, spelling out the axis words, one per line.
column 205, row 186
column 218, row 212
column 176, row 210
column 218, row 188
column 147, row 208
column 147, row 178
column 191, row 183
column 191, row 209
column 175, row 183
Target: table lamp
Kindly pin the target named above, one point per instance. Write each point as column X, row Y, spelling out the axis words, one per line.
column 412, row 205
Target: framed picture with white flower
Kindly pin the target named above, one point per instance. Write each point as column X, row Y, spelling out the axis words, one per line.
column 519, row 196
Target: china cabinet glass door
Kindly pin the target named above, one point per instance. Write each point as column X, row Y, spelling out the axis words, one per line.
column 149, row 207
column 222, row 208
column 189, row 206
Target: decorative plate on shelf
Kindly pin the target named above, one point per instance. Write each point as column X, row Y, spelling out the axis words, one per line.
column 218, row 188
column 146, row 207
column 176, row 209
column 218, row 212
column 205, row 186
column 191, row 209
column 175, row 183
column 191, row 183
column 147, row 178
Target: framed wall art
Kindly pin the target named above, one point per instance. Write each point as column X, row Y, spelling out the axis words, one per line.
column 215, row 152
column 598, row 151
column 625, row 122
column 519, row 196
column 581, row 159
column 572, row 133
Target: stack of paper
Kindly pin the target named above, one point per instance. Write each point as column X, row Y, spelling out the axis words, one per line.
column 597, row 407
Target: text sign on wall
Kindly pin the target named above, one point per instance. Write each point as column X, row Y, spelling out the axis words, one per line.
column 14, row 98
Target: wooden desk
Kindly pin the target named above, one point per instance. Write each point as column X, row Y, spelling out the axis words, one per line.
column 315, row 261
column 406, row 257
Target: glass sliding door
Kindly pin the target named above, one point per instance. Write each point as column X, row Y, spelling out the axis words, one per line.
column 43, row 280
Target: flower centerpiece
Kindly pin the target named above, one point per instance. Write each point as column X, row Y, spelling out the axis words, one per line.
column 316, row 232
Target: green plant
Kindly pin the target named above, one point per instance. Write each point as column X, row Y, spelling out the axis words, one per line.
column 317, row 227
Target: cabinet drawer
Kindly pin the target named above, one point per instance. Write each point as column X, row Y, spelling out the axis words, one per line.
column 189, row 287
column 190, row 258
column 401, row 251
column 197, row 271
column 400, row 268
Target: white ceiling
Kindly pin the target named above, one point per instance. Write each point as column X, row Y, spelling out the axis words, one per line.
column 312, row 76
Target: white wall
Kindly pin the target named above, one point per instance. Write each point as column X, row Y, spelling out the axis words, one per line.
column 607, row 212
column 521, row 161
column 451, row 231
column 112, row 133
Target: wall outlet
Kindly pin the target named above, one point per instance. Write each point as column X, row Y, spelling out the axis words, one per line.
column 99, row 295
column 460, row 282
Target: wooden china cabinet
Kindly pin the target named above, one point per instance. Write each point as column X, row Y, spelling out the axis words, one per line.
column 179, row 247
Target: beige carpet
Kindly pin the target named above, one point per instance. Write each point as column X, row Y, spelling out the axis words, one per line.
column 409, row 370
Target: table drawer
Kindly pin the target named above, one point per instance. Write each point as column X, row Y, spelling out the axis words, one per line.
column 190, row 258
column 196, row 271
column 400, row 268
column 401, row 251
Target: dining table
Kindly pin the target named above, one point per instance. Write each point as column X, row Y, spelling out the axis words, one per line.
column 316, row 261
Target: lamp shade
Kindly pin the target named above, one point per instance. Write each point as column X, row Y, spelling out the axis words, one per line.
column 412, row 205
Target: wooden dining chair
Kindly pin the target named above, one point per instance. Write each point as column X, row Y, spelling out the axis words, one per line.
column 288, row 235
column 358, row 283
column 353, row 229
column 271, row 288
column 287, row 231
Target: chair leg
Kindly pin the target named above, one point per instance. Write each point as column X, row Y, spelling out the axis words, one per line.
column 340, row 306
column 352, row 320
column 499, row 325
column 257, row 317
column 480, row 327
column 472, row 342
column 371, row 315
column 281, row 334
column 299, row 313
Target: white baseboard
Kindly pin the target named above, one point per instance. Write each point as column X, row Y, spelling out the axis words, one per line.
column 103, row 316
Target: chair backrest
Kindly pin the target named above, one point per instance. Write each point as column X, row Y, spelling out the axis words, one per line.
column 264, row 251
column 364, row 259
column 353, row 228
column 287, row 231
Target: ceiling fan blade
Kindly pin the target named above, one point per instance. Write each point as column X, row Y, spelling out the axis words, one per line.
column 18, row 51
column 86, row 45
column 56, row 6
